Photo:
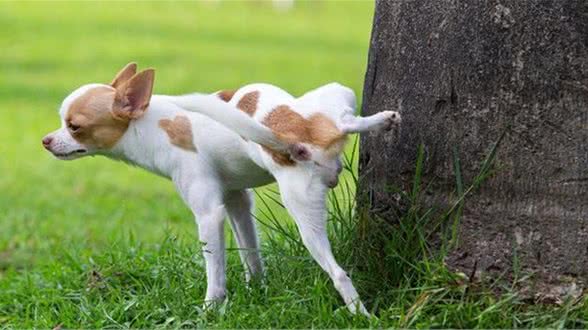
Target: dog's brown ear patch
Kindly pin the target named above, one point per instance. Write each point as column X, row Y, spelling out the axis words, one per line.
column 248, row 103
column 226, row 95
column 179, row 132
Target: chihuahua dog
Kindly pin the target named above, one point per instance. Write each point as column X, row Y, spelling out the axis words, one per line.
column 216, row 147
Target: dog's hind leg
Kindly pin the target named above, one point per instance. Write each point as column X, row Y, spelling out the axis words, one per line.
column 384, row 120
column 305, row 199
column 239, row 206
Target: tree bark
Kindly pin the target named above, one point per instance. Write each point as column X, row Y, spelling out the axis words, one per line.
column 461, row 73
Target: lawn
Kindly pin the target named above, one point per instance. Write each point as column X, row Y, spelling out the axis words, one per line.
column 64, row 221
column 94, row 243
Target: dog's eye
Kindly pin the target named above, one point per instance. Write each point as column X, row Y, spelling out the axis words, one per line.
column 72, row 127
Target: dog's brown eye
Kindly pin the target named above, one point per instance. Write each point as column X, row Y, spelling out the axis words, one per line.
column 72, row 127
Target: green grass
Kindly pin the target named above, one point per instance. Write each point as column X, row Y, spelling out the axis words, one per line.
column 94, row 243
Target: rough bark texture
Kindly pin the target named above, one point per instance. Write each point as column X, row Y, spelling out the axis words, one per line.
column 462, row 72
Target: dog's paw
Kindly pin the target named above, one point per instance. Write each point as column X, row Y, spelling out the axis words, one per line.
column 357, row 307
column 214, row 304
column 390, row 119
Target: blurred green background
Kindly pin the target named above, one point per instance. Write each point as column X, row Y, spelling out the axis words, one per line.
column 50, row 48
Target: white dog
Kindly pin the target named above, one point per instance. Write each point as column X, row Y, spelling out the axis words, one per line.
column 215, row 147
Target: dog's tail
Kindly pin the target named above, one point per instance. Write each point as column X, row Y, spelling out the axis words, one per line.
column 229, row 116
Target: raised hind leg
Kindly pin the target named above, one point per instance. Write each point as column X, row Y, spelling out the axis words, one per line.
column 384, row 120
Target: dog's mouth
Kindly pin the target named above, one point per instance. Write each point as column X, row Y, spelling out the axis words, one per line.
column 70, row 155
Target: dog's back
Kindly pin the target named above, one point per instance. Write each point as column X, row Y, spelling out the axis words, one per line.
column 311, row 120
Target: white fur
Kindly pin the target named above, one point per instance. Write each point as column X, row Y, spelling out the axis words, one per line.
column 225, row 114
column 216, row 180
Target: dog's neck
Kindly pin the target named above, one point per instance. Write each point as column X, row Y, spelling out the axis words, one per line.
column 144, row 144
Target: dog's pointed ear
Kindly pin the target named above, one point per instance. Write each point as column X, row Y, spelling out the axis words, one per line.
column 132, row 98
column 124, row 75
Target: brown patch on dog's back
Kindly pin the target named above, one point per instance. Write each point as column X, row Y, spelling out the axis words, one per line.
column 226, row 95
column 325, row 133
column 91, row 111
column 291, row 127
column 179, row 132
column 248, row 103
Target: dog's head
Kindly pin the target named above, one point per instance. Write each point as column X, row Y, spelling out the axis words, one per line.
column 94, row 117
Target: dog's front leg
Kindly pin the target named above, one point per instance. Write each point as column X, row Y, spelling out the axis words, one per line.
column 211, row 233
column 205, row 200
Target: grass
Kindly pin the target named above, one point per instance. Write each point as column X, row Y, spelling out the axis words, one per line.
column 94, row 243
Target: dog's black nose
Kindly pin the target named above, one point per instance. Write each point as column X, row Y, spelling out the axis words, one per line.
column 47, row 142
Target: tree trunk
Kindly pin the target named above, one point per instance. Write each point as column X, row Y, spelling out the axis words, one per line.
column 461, row 73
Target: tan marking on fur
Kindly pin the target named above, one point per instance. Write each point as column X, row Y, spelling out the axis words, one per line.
column 326, row 134
column 92, row 112
column 248, row 103
column 226, row 95
column 179, row 132
column 291, row 127
column 279, row 158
